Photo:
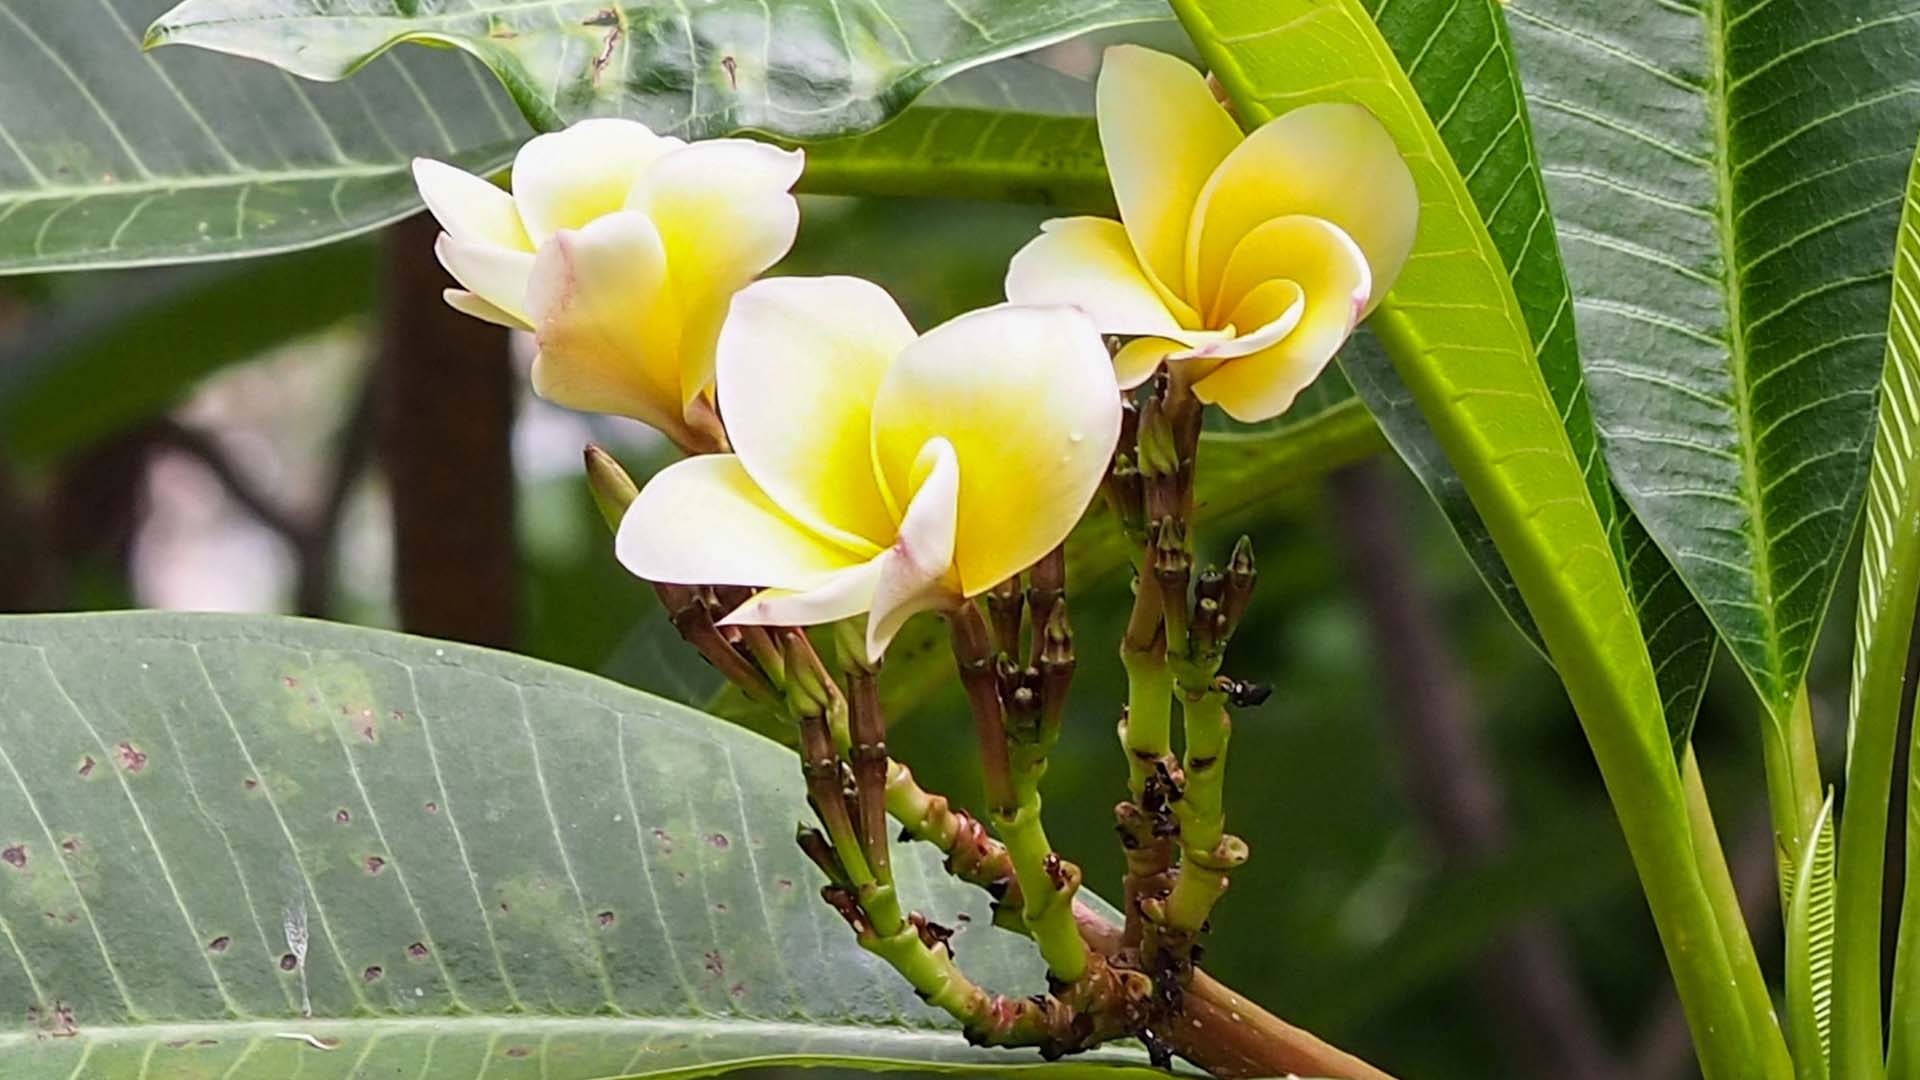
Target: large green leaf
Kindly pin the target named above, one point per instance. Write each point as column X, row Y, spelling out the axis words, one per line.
column 1726, row 177
column 111, row 158
column 1460, row 340
column 495, row 866
column 1460, row 61
column 804, row 68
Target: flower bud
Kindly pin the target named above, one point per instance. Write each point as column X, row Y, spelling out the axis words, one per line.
column 613, row 490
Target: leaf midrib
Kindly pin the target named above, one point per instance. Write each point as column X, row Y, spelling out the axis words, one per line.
column 1718, row 93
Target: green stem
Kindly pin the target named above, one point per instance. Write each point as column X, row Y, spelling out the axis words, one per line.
column 1147, row 731
column 1903, row 1050
column 1860, row 879
column 1793, row 780
column 1751, row 984
column 1047, row 886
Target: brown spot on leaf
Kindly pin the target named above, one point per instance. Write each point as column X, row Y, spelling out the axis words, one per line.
column 86, row 766
column 721, row 908
column 219, row 944
column 289, row 681
column 604, row 17
column 131, row 757
column 738, row 990
column 606, row 918
column 517, row 1051
column 715, row 965
column 732, row 68
column 785, row 883
column 719, row 840
column 372, row 974
column 375, row 864
column 249, row 783
column 288, row 962
column 341, row 817
column 15, row 856
column 70, row 845
column 433, row 808
column 417, row 950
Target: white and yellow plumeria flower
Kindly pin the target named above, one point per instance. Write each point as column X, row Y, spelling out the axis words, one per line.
column 875, row 470
column 620, row 249
column 1249, row 258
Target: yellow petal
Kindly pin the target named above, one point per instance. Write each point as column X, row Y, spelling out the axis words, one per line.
column 467, row 303
column 703, row 521
column 726, row 214
column 839, row 595
column 1163, row 134
column 1319, row 288
column 1138, row 359
column 916, row 572
column 495, row 274
column 1088, row 263
column 606, row 326
column 1273, row 309
column 1027, row 397
column 1332, row 161
column 800, row 362
column 468, row 207
column 565, row 179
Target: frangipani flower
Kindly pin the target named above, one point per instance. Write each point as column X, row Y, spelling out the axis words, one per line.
column 1248, row 259
column 875, row 470
column 620, row 249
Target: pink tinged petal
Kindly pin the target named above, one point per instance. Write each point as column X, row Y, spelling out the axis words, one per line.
column 838, row 595
column 1332, row 161
column 1163, row 134
column 495, row 274
column 469, row 208
column 467, row 303
column 1326, row 268
column 565, row 179
column 800, row 363
column 703, row 521
column 1088, row 263
column 605, row 322
column 726, row 214
column 916, row 573
column 1027, row 397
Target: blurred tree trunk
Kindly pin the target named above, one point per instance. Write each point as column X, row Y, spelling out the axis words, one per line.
column 444, row 427
column 1544, row 1017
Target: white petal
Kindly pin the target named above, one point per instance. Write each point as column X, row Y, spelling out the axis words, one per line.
column 1087, row 262
column 1163, row 134
column 494, row 274
column 916, row 572
column 467, row 303
column 468, row 207
column 703, row 521
column 565, row 179
column 1331, row 161
column 1027, row 397
column 800, row 362
column 726, row 214
column 839, row 595
column 607, row 327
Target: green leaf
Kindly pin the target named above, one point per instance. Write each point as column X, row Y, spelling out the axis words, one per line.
column 1460, row 61
column 1883, row 635
column 112, row 158
column 1459, row 339
column 1810, row 933
column 1726, row 178
column 496, row 866
column 123, row 348
column 810, row 69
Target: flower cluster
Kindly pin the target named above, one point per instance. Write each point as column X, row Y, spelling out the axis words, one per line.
column 875, row 470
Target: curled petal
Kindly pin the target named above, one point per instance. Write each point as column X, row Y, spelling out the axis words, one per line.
column 800, row 363
column 1138, row 359
column 916, row 572
column 565, row 179
column 607, row 329
column 467, row 303
column 1027, row 397
column 1163, row 134
column 703, row 521
column 1282, row 303
column 469, row 208
column 726, row 214
column 1331, row 161
column 841, row 594
column 1331, row 275
column 495, row 274
column 1088, row 263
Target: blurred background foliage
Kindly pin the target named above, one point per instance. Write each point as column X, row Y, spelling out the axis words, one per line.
column 1438, row 880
